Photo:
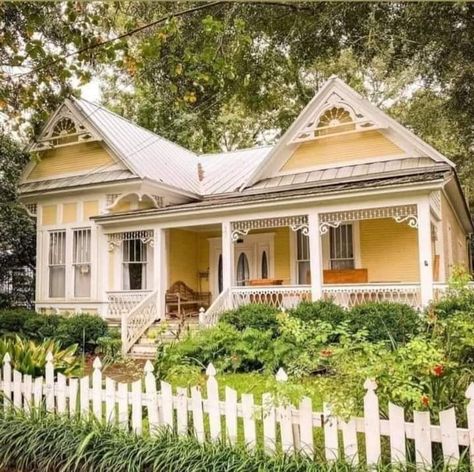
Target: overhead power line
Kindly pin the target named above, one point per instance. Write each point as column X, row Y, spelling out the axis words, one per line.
column 121, row 36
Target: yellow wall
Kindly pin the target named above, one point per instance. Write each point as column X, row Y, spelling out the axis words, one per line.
column 281, row 252
column 183, row 257
column 91, row 208
column 337, row 149
column 389, row 251
column 49, row 215
column 74, row 159
column 459, row 254
column 69, row 212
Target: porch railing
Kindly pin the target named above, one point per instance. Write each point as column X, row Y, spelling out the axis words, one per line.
column 138, row 320
column 124, row 301
column 279, row 297
column 211, row 316
column 351, row 295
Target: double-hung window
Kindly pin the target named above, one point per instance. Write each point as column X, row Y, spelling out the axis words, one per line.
column 57, row 264
column 134, row 264
column 302, row 258
column 81, row 260
column 341, row 247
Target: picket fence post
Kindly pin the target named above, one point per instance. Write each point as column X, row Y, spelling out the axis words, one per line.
column 213, row 404
column 49, row 382
column 97, row 389
column 7, row 379
column 372, row 423
column 284, row 418
column 470, row 420
column 152, row 401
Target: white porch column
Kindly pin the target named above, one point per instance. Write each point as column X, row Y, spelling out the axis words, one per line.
column 160, row 269
column 315, row 254
column 424, row 251
column 227, row 256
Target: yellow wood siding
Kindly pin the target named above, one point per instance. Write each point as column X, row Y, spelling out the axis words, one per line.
column 454, row 235
column 69, row 212
column 74, row 159
column 49, row 215
column 183, row 257
column 389, row 251
column 91, row 208
column 122, row 205
column 338, row 149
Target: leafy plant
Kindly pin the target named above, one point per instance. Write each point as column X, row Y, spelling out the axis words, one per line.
column 258, row 316
column 29, row 357
column 110, row 347
column 321, row 310
column 83, row 330
column 385, row 321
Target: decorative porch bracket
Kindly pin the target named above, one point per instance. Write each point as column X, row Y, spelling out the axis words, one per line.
column 401, row 214
column 296, row 223
column 116, row 239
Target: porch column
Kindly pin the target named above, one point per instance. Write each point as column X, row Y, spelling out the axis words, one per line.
column 315, row 256
column 160, row 269
column 424, row 251
column 227, row 255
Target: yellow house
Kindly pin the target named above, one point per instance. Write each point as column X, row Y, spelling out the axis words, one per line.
column 348, row 205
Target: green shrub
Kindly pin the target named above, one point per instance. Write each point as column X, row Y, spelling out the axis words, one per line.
column 385, row 321
column 13, row 321
column 41, row 327
column 110, row 347
column 29, row 357
column 322, row 310
column 83, row 330
column 257, row 316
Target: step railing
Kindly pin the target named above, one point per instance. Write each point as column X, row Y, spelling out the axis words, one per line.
column 138, row 320
column 124, row 301
column 210, row 317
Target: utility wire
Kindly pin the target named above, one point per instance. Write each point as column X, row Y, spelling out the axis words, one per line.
column 121, row 36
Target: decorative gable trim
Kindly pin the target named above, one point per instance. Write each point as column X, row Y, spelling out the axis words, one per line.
column 65, row 128
column 335, row 91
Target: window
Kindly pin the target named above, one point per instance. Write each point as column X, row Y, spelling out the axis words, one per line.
column 302, row 259
column 243, row 270
column 134, row 264
column 264, row 268
column 81, row 260
column 341, row 247
column 57, row 264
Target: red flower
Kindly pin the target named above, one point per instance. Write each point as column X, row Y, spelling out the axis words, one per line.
column 438, row 370
column 425, row 400
column 326, row 353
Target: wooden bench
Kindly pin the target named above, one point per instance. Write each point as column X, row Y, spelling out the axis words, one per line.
column 183, row 301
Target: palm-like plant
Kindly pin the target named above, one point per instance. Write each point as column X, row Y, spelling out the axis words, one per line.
column 29, row 357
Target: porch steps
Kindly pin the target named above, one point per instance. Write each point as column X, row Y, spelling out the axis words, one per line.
column 166, row 333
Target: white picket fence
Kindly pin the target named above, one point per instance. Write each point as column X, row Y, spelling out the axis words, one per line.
column 277, row 428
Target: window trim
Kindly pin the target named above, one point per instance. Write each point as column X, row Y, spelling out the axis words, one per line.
column 144, row 263
column 64, row 251
column 74, row 263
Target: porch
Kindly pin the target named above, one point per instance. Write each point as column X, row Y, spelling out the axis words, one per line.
column 363, row 253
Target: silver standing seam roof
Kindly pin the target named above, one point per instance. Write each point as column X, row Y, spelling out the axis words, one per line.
column 148, row 155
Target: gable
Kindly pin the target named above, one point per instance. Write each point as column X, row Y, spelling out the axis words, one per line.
column 344, row 148
column 76, row 159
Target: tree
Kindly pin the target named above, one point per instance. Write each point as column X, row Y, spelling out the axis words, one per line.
column 17, row 229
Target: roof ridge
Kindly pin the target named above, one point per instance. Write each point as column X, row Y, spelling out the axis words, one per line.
column 136, row 125
column 249, row 148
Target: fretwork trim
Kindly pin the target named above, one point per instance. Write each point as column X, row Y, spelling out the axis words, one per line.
column 116, row 239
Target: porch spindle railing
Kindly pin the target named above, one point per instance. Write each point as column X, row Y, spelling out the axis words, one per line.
column 211, row 316
column 138, row 320
column 351, row 295
column 279, row 297
column 123, row 301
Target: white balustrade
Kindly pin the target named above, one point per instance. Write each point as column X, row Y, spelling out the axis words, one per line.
column 211, row 316
column 123, row 301
column 351, row 295
column 279, row 297
column 138, row 320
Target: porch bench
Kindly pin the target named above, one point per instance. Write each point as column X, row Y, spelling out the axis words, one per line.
column 183, row 301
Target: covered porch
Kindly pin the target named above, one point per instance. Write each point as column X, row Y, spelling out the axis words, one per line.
column 365, row 252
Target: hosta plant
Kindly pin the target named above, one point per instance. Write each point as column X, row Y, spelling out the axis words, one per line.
column 29, row 357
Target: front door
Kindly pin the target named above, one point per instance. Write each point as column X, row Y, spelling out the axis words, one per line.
column 244, row 266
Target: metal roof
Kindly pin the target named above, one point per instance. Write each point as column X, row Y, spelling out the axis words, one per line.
column 76, row 180
column 350, row 172
column 228, row 171
column 146, row 153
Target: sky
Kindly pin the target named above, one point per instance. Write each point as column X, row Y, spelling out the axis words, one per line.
column 91, row 91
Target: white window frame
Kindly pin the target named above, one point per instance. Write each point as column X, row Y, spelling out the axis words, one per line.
column 82, row 258
column 355, row 243
column 145, row 263
column 299, row 236
column 58, row 260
